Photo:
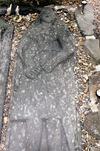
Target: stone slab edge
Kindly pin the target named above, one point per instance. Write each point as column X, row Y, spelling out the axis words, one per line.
column 5, row 51
column 85, row 21
column 92, row 47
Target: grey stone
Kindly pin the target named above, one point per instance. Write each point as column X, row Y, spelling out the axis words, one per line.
column 92, row 124
column 6, row 34
column 42, row 113
column 92, row 47
column 95, row 149
column 65, row 7
column 94, row 85
column 85, row 21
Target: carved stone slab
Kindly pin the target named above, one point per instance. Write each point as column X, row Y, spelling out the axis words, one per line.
column 42, row 114
column 6, row 33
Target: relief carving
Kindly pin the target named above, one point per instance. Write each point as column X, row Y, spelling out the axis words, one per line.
column 45, row 46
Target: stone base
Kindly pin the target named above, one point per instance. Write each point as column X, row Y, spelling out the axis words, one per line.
column 92, row 124
column 94, row 82
column 85, row 21
column 6, row 33
column 92, row 47
column 95, row 149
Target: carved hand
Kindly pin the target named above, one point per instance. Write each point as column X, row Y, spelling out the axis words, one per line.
column 48, row 66
column 31, row 72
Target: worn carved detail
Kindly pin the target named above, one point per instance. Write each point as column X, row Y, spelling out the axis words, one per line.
column 42, row 113
column 45, row 46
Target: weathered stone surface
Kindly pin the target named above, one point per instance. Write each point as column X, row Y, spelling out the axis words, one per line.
column 92, row 47
column 42, row 113
column 95, row 149
column 92, row 124
column 6, row 33
column 85, row 21
column 65, row 7
column 94, row 85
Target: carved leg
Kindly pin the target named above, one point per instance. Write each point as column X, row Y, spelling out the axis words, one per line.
column 44, row 135
column 16, row 136
column 69, row 132
column 34, row 134
column 54, row 134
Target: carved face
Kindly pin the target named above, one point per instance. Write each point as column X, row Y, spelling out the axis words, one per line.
column 47, row 15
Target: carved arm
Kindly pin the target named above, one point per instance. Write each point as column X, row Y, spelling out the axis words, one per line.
column 51, row 64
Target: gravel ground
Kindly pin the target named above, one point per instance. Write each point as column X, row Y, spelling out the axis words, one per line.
column 82, row 69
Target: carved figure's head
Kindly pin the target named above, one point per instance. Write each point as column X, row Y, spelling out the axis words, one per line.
column 47, row 15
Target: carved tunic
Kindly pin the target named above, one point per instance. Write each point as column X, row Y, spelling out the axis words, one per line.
column 43, row 98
